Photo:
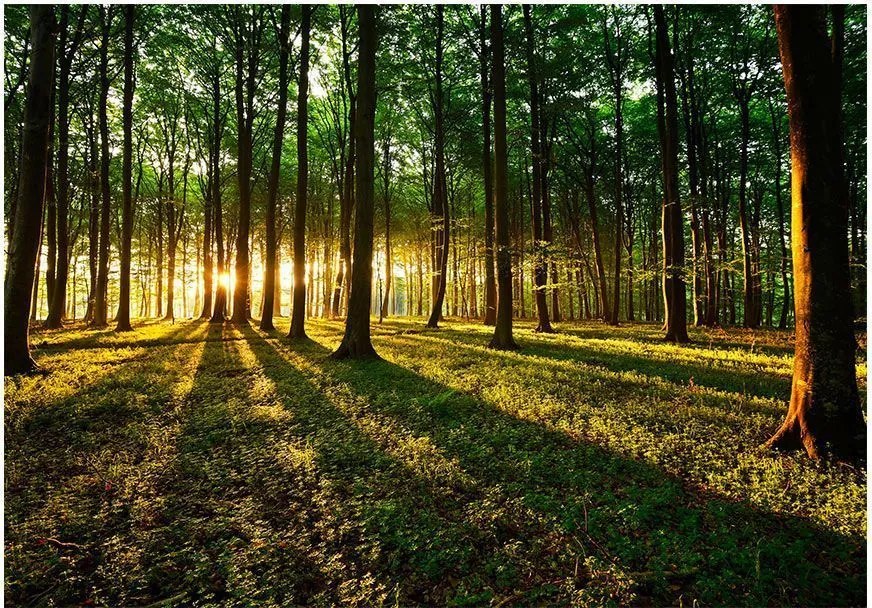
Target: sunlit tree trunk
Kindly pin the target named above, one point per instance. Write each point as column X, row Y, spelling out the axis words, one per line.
column 825, row 413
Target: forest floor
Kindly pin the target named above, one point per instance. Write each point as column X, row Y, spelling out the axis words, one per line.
column 195, row 464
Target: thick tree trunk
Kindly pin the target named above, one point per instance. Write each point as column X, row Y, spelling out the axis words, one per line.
column 825, row 413
column 123, row 316
column 298, row 317
column 24, row 246
column 356, row 343
column 502, row 338
column 673, row 230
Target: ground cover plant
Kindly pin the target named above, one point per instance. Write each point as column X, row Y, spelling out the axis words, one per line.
column 208, row 464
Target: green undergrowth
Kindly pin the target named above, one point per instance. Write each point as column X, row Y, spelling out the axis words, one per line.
column 207, row 465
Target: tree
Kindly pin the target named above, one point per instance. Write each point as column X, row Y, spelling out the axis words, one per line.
column 58, row 302
column 540, row 267
column 24, row 246
column 247, row 25
column 490, row 282
column 266, row 316
column 673, row 230
column 825, row 415
column 123, row 316
column 615, row 60
column 356, row 342
column 101, row 296
column 299, row 313
column 440, row 196
column 502, row 338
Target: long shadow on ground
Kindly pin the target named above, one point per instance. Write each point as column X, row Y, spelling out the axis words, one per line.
column 642, row 528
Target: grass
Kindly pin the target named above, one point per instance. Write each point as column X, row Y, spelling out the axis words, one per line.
column 194, row 464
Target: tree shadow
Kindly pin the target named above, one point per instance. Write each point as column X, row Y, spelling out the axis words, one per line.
column 726, row 376
column 71, row 469
column 645, row 531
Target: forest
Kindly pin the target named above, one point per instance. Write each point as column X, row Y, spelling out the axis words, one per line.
column 435, row 305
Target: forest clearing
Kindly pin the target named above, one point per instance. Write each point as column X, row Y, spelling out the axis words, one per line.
column 598, row 465
column 435, row 305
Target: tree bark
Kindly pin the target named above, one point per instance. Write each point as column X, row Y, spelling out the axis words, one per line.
column 440, row 196
column 123, row 316
column 219, row 312
column 100, row 302
column 298, row 317
column 23, row 249
column 490, row 284
column 825, row 414
column 356, row 342
column 57, row 306
column 269, row 282
column 540, row 268
column 502, row 338
column 673, row 230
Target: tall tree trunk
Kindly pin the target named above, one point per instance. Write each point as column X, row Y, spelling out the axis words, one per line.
column 58, row 303
column 356, row 342
column 51, row 216
column 219, row 312
column 751, row 319
column 779, row 209
column 93, row 215
column 298, row 317
column 490, row 282
column 24, row 247
column 440, row 196
column 101, row 301
column 123, row 316
column 615, row 62
column 502, row 338
column 540, row 268
column 269, row 282
column 346, row 200
column 590, row 196
column 386, row 187
column 244, row 91
column 673, row 230
column 825, row 413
